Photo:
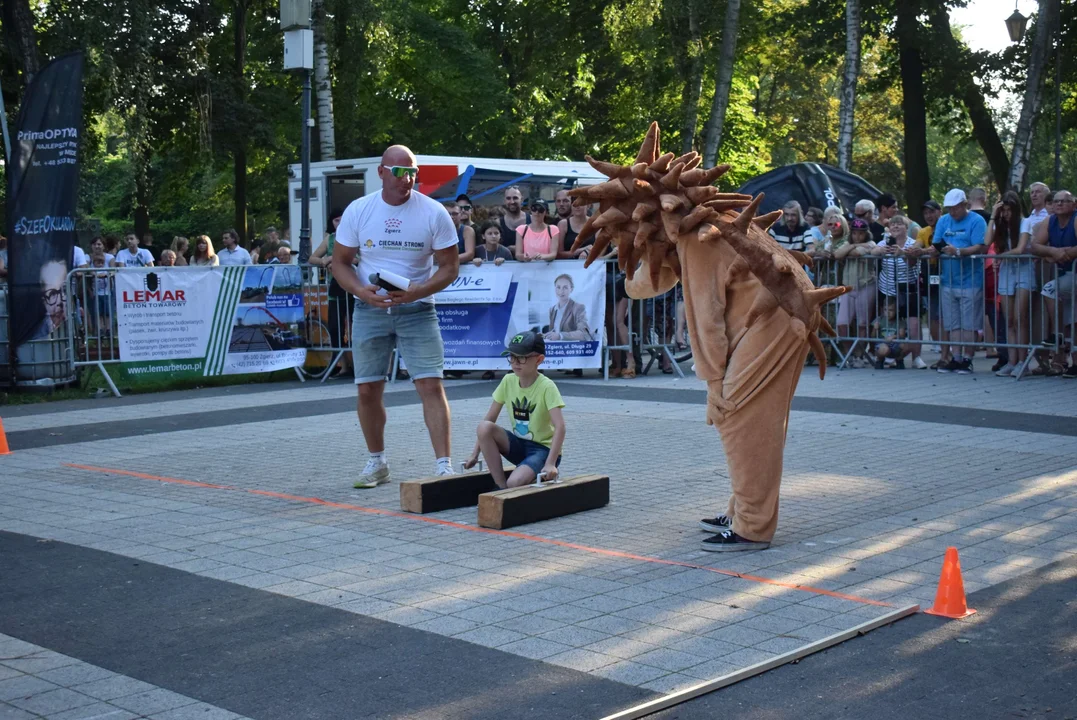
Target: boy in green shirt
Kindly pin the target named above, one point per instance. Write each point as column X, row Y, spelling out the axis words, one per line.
column 538, row 426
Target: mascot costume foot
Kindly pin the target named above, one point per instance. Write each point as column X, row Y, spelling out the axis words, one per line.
column 752, row 311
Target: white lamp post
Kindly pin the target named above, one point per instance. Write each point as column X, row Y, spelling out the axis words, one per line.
column 299, row 55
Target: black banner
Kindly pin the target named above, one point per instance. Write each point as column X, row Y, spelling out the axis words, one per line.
column 42, row 192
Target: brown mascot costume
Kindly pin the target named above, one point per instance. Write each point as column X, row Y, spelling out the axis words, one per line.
column 752, row 311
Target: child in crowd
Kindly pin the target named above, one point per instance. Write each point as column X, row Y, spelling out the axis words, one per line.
column 491, row 249
column 538, row 426
column 891, row 332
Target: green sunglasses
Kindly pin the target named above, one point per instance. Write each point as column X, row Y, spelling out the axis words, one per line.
column 401, row 170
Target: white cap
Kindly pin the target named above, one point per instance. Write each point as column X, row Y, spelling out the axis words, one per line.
column 954, row 197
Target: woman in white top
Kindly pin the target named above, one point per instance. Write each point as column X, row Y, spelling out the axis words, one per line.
column 203, row 252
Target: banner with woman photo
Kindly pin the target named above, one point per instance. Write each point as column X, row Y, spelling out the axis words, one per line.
column 486, row 305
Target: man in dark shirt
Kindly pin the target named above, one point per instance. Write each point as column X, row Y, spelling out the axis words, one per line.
column 978, row 203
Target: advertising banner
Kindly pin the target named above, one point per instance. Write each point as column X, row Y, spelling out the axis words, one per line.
column 42, row 191
column 486, row 305
column 209, row 321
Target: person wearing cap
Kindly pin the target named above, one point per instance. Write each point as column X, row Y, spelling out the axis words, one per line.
column 538, row 425
column 960, row 234
column 537, row 240
column 464, row 204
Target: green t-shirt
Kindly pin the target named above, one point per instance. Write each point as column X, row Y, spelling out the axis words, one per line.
column 530, row 407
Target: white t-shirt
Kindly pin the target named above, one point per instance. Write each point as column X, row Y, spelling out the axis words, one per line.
column 142, row 258
column 239, row 256
column 1030, row 223
column 80, row 257
column 398, row 238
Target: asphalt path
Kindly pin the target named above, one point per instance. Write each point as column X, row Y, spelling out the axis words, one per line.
column 1015, row 658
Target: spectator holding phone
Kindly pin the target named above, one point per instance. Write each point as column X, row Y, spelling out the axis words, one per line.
column 1016, row 276
column 959, row 235
column 859, row 305
column 899, row 276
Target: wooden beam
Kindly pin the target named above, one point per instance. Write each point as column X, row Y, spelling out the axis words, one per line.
column 518, row 506
column 446, row 492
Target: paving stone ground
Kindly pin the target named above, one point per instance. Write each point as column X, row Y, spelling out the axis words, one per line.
column 869, row 505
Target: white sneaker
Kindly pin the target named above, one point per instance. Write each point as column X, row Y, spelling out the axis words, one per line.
column 919, row 363
column 375, row 473
column 1006, row 370
column 440, row 470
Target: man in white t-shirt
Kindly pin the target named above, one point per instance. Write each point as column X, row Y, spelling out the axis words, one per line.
column 232, row 253
column 1037, row 193
column 399, row 232
column 79, row 257
column 133, row 255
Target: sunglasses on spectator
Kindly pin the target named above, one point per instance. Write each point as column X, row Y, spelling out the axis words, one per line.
column 465, row 207
column 519, row 359
column 402, row 170
column 537, row 208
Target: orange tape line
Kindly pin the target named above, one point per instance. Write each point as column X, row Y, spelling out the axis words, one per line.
column 474, row 528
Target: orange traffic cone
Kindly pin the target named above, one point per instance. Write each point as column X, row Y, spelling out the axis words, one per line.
column 950, row 597
column 3, row 440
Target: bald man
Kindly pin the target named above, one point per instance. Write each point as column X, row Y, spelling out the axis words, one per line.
column 403, row 232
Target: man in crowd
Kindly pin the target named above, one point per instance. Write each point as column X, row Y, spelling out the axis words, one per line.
column 405, row 233
column 1055, row 240
column 563, row 203
column 791, row 231
column 465, row 236
column 865, row 210
column 133, row 255
column 887, row 206
column 232, row 253
column 514, row 216
column 958, row 234
column 978, row 203
column 1037, row 194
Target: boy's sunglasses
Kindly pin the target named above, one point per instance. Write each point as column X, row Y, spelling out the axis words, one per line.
column 401, row 170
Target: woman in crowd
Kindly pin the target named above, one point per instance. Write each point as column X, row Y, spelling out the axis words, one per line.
column 101, row 317
column 1016, row 276
column 859, row 273
column 203, row 252
column 112, row 245
column 569, row 228
column 537, row 240
column 180, row 245
column 899, row 276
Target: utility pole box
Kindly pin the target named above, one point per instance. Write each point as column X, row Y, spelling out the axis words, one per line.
column 299, row 50
column 294, row 15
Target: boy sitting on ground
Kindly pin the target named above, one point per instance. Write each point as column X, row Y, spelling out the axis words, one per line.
column 891, row 332
column 538, row 426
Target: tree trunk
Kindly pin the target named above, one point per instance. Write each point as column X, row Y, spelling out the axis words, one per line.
column 21, row 39
column 693, row 84
column 1046, row 22
column 239, row 152
column 964, row 88
column 722, row 82
column 323, row 86
column 851, row 73
column 913, row 109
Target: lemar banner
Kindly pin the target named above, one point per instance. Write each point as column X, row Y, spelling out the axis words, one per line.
column 486, row 305
column 209, row 321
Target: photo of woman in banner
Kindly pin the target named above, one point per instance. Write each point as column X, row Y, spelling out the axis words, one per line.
column 568, row 318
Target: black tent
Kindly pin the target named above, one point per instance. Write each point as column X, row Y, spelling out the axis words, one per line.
column 810, row 184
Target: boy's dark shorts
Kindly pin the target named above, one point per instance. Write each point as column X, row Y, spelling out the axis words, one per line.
column 527, row 452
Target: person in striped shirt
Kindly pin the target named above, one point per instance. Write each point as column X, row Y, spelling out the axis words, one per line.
column 899, row 280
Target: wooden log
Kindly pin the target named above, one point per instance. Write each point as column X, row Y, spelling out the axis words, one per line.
column 446, row 492
column 502, row 509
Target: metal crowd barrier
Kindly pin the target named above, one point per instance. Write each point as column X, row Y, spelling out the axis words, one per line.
column 1000, row 293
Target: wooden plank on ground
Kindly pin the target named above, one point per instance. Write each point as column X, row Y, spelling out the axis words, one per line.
column 502, row 509
column 447, row 492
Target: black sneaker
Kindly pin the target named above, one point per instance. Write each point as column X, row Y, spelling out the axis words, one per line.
column 964, row 367
column 998, row 366
column 729, row 541
column 949, row 367
column 900, row 364
column 1070, row 372
column 880, row 363
column 718, row 524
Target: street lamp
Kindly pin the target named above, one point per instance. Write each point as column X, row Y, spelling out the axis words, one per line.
column 1015, row 26
column 299, row 55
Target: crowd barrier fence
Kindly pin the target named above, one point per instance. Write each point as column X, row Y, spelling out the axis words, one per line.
column 930, row 299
